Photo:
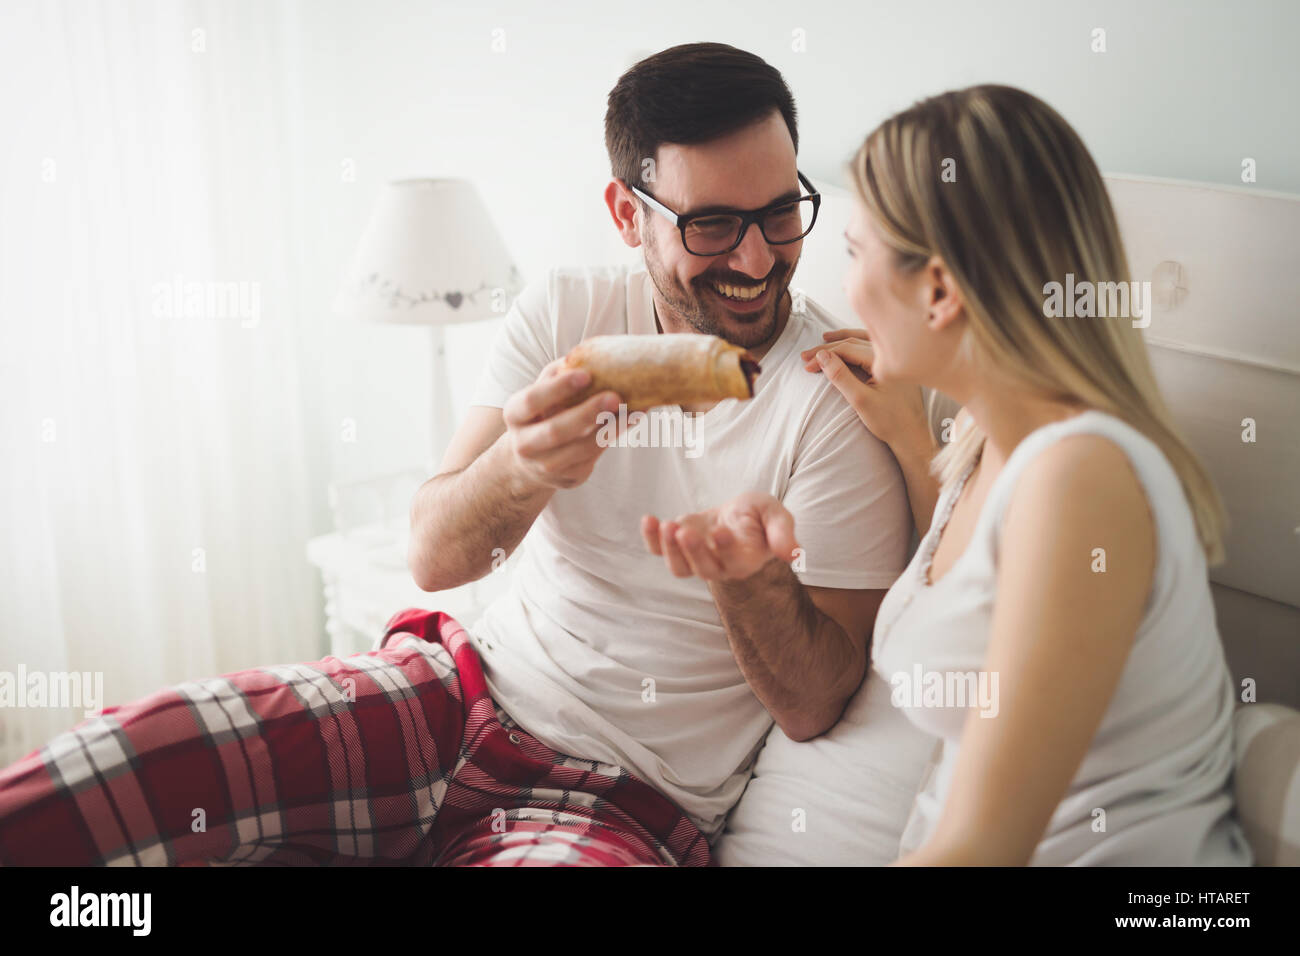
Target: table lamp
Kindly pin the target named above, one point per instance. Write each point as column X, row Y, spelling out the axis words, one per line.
column 430, row 255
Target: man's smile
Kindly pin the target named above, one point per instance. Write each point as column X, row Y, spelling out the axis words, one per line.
column 742, row 293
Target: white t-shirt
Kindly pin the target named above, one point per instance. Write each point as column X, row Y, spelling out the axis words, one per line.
column 597, row 649
column 1160, row 764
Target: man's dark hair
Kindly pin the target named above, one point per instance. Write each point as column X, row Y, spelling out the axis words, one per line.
column 689, row 94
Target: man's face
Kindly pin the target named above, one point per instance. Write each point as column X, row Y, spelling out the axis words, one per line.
column 745, row 170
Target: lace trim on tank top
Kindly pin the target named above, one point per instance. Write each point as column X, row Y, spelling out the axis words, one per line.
column 930, row 544
column 941, row 522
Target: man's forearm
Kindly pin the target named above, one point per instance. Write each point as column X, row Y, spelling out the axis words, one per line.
column 798, row 661
column 459, row 519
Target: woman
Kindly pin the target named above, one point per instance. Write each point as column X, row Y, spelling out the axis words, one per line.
column 1061, row 585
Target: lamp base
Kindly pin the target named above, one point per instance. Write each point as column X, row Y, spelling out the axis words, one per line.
column 442, row 419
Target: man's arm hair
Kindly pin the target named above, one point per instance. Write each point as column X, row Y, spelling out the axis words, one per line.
column 502, row 467
column 803, row 650
column 473, row 506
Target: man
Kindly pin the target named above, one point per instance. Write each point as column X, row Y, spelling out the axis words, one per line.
column 597, row 651
column 605, row 711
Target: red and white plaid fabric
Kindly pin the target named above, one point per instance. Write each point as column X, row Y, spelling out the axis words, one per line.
column 398, row 756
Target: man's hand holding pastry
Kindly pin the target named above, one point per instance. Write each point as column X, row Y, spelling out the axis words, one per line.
column 551, row 443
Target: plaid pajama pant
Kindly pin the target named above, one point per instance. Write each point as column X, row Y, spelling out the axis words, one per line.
column 397, row 756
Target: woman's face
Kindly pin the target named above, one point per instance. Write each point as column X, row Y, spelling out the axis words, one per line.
column 894, row 307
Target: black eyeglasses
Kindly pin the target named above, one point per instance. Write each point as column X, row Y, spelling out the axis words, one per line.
column 714, row 233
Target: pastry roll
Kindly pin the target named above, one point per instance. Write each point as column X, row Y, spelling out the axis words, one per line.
column 666, row 369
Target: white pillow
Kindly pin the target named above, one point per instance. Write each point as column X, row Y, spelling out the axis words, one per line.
column 1267, row 781
column 837, row 800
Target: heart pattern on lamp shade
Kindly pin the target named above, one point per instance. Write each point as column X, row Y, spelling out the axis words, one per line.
column 394, row 297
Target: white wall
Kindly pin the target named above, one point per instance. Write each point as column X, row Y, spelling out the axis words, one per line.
column 1185, row 90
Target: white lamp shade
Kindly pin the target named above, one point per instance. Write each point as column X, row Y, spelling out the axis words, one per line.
column 430, row 255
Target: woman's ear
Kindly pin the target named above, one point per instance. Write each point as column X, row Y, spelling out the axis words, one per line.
column 623, row 206
column 945, row 301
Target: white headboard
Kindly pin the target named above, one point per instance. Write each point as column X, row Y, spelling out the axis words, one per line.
column 1225, row 345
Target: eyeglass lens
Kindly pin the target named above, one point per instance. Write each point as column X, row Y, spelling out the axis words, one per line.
column 715, row 234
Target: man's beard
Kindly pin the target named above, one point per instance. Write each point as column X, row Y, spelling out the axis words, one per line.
column 701, row 307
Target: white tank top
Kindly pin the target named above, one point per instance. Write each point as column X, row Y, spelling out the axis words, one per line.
column 1155, row 785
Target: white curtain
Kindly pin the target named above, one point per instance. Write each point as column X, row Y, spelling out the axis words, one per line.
column 157, row 485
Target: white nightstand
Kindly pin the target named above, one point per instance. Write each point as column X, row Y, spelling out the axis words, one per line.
column 367, row 582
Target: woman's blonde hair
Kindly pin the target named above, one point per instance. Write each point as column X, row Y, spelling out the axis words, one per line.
column 993, row 182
